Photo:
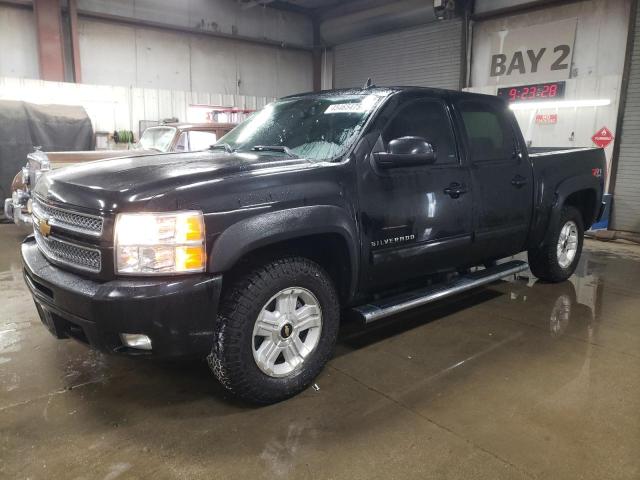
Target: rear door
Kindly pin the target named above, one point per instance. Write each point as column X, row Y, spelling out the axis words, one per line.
column 501, row 176
column 414, row 220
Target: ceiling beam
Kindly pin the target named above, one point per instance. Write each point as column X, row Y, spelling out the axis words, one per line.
column 340, row 8
column 18, row 3
column 75, row 43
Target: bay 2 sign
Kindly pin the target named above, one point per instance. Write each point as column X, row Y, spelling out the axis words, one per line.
column 538, row 53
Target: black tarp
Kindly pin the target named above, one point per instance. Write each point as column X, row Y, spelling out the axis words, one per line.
column 24, row 125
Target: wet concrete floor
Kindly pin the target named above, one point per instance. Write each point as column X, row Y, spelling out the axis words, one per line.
column 516, row 380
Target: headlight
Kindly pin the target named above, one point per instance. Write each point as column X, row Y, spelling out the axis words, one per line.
column 160, row 243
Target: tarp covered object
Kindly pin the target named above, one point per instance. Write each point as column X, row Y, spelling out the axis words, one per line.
column 52, row 127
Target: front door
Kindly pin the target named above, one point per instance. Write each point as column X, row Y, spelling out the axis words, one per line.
column 414, row 220
column 501, row 178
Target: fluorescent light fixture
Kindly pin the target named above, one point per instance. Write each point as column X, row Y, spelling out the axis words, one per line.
column 597, row 102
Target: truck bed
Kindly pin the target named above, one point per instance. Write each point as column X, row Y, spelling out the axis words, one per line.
column 538, row 151
column 557, row 173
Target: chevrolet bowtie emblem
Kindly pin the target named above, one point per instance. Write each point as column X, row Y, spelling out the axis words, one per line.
column 44, row 227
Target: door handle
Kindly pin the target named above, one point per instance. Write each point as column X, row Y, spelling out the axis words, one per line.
column 519, row 181
column 455, row 189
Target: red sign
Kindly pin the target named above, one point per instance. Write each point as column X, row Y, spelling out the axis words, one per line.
column 547, row 119
column 602, row 137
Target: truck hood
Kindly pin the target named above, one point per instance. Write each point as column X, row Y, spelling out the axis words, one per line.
column 153, row 181
column 64, row 159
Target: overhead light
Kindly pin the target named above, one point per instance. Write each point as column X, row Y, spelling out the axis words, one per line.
column 598, row 102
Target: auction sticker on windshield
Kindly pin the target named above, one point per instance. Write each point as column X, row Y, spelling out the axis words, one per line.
column 346, row 108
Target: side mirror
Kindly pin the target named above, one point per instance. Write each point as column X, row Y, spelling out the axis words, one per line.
column 406, row 152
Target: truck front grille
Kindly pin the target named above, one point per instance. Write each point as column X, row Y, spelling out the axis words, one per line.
column 76, row 222
column 67, row 253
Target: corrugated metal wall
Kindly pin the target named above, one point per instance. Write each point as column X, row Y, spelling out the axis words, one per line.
column 626, row 201
column 428, row 56
column 113, row 53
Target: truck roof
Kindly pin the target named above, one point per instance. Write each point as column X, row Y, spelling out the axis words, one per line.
column 386, row 91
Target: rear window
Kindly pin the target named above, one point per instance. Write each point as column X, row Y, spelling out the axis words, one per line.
column 488, row 130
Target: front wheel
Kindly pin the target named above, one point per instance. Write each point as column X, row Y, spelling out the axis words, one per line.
column 275, row 331
column 557, row 260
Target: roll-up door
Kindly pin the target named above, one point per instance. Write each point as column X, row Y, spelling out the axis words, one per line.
column 428, row 56
column 626, row 201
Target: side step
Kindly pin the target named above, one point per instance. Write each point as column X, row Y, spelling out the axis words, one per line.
column 371, row 312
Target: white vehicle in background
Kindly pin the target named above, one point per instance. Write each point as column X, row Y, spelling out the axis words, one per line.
column 169, row 137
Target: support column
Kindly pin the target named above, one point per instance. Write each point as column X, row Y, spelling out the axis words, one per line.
column 49, row 29
column 317, row 56
column 75, row 45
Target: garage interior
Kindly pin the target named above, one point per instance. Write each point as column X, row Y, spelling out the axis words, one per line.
column 518, row 379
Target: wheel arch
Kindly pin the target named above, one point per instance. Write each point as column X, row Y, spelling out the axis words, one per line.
column 580, row 192
column 325, row 234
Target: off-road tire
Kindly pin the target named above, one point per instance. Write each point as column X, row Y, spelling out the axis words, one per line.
column 231, row 358
column 543, row 261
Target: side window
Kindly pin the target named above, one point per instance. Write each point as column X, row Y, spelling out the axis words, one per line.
column 182, row 143
column 201, row 140
column 427, row 119
column 489, row 131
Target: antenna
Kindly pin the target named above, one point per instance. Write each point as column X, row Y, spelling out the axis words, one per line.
column 368, row 84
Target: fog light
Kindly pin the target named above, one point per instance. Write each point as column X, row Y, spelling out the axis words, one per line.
column 135, row 340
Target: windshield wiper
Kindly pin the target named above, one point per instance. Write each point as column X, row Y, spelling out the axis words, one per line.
column 274, row 148
column 225, row 146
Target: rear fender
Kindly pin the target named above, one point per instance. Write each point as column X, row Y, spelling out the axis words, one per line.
column 565, row 189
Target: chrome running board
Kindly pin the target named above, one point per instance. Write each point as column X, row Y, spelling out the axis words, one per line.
column 377, row 310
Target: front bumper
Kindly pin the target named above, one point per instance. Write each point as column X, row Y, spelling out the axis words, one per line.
column 176, row 313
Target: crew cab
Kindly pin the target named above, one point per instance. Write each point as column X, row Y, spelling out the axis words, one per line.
column 321, row 206
column 167, row 137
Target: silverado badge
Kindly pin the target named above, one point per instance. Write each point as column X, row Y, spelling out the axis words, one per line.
column 44, row 227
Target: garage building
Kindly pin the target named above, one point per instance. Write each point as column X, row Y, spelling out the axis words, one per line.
column 512, row 377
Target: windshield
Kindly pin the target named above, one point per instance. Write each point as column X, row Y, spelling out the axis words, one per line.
column 316, row 128
column 157, row 138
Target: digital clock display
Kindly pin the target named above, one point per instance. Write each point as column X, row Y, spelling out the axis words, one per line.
column 536, row 92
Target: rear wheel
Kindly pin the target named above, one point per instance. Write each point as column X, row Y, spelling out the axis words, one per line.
column 276, row 330
column 557, row 260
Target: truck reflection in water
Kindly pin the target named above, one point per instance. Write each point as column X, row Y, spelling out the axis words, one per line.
column 509, row 328
column 576, row 299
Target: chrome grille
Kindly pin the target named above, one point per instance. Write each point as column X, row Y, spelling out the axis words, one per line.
column 69, row 253
column 68, row 220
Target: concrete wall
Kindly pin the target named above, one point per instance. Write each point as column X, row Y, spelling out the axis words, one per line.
column 600, row 42
column 121, row 54
column 18, row 44
column 595, row 72
column 222, row 16
column 152, row 58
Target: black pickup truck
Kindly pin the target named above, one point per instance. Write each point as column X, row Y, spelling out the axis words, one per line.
column 368, row 201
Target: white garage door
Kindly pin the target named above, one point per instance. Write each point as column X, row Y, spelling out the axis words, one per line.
column 626, row 202
column 427, row 56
